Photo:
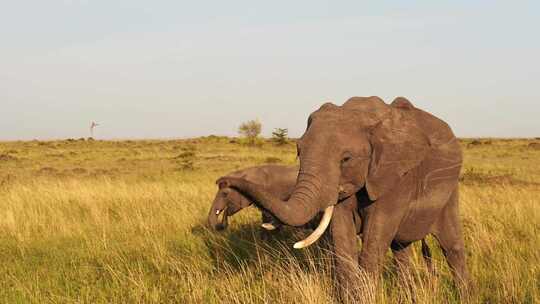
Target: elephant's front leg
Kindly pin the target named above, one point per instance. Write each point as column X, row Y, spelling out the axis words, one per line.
column 343, row 233
column 379, row 228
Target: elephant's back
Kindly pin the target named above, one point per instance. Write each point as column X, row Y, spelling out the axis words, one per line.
column 268, row 174
column 445, row 151
column 438, row 132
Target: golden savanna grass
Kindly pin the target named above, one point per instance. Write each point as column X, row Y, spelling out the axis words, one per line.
column 123, row 222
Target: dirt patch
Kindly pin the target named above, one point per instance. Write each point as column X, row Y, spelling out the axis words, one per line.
column 7, row 157
column 79, row 171
column 47, row 171
column 56, row 155
column 272, row 160
column 479, row 142
column 478, row 177
column 110, row 173
column 534, row 145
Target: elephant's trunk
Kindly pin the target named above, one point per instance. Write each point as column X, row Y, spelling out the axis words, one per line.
column 309, row 197
column 297, row 211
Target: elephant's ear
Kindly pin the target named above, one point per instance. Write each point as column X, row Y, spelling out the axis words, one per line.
column 237, row 201
column 403, row 103
column 398, row 145
column 237, row 174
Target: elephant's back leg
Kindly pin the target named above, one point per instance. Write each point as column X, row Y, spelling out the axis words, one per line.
column 448, row 232
column 402, row 256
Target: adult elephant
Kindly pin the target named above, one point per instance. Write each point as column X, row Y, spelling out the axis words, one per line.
column 402, row 163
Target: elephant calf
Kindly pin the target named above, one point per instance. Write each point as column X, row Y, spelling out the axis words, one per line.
column 275, row 178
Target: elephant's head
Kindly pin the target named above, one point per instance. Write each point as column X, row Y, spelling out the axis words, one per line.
column 363, row 143
column 226, row 203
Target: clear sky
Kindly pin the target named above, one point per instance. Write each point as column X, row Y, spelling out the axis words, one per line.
column 161, row 69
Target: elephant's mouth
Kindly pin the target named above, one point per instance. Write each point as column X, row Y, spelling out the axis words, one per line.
column 221, row 219
column 346, row 190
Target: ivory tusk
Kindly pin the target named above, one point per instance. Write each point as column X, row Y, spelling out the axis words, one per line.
column 313, row 237
column 268, row 226
column 217, row 212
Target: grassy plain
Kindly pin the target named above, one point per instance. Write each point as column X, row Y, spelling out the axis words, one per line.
column 123, row 222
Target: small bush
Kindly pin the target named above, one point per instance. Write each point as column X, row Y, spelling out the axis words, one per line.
column 280, row 136
column 186, row 154
column 250, row 130
column 186, row 159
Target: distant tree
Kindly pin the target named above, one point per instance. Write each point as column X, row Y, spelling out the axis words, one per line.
column 280, row 136
column 250, row 129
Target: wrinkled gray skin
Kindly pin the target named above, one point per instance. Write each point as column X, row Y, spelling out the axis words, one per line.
column 402, row 164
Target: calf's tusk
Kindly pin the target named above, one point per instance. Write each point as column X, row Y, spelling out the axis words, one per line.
column 268, row 226
column 316, row 234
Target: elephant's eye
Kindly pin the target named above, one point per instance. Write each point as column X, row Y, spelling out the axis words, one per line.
column 345, row 159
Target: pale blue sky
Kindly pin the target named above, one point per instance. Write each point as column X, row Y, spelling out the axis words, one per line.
column 158, row 69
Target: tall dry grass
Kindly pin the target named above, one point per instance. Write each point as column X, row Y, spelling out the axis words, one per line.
column 123, row 222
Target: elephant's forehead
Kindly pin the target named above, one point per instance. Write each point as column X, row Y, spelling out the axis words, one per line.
column 335, row 116
column 348, row 117
column 330, row 133
column 219, row 200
